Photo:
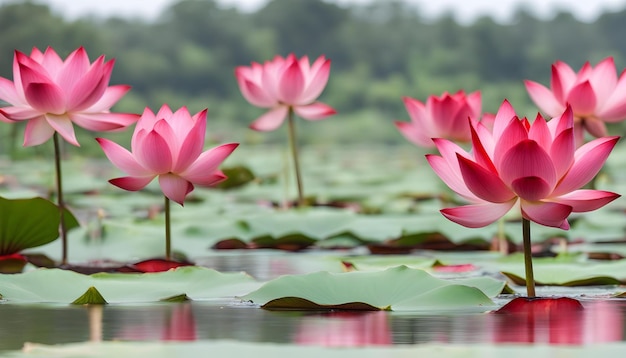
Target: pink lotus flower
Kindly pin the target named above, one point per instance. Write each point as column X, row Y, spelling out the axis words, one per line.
column 595, row 94
column 282, row 85
column 51, row 94
column 441, row 117
column 169, row 146
column 536, row 167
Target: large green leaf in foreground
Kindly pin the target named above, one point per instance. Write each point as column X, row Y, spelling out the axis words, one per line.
column 61, row 286
column 26, row 223
column 399, row 289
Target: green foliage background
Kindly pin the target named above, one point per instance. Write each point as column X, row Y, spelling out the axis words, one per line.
column 380, row 52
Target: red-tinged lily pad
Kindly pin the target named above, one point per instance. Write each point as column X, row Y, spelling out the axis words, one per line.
column 289, row 242
column 158, row 265
column 540, row 305
column 399, row 288
column 230, row 244
column 560, row 321
column 440, row 267
column 13, row 263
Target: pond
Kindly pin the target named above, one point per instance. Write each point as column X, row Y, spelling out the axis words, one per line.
column 601, row 321
column 219, row 320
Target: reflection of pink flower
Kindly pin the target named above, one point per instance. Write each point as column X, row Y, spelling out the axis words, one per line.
column 534, row 167
column 178, row 324
column 557, row 321
column 595, row 94
column 345, row 329
column 446, row 116
column 52, row 94
column 169, row 146
column 285, row 84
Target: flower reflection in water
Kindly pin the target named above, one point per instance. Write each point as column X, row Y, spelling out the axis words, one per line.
column 345, row 329
column 557, row 321
column 178, row 324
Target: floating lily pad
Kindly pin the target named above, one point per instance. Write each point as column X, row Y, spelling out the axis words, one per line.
column 571, row 274
column 61, row 286
column 400, row 288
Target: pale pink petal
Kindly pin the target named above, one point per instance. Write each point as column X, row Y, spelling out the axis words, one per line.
column 582, row 99
column 614, row 108
column 45, row 97
column 123, row 159
column 481, row 155
column 192, row 145
column 74, row 68
column 64, row 127
column 422, row 121
column 110, row 97
column 314, row 111
column 604, row 79
column 271, row 120
column 531, row 188
column 164, row 112
column 588, row 160
column 50, row 60
column 291, row 84
column 103, row 122
column 502, row 119
column 410, row 131
column 181, row 123
column 208, row 163
column 483, row 183
column 19, row 113
column 546, row 213
column 37, row 131
column 527, row 159
column 479, row 215
column 562, row 152
column 540, row 133
column 474, row 100
column 90, row 87
column 511, row 136
column 154, row 153
column 544, row 98
column 586, row 200
column 316, row 83
column 563, row 79
column 132, row 183
column 450, row 175
column 9, row 94
column 253, row 93
column 595, row 127
column 211, row 179
column 175, row 187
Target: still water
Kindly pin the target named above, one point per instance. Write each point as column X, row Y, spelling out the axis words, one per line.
column 602, row 320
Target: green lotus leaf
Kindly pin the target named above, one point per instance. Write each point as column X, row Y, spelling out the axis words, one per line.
column 90, row 297
column 27, row 223
column 398, row 288
column 62, row 286
column 571, row 274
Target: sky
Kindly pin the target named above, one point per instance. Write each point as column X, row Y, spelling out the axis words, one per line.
column 464, row 10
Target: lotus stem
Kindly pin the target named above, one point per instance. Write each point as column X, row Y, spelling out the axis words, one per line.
column 294, row 154
column 60, row 201
column 168, row 230
column 528, row 259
